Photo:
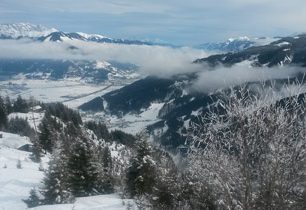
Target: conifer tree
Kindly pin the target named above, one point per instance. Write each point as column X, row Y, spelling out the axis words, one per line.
column 83, row 171
column 33, row 200
column 49, row 132
column 141, row 173
column 21, row 105
column 106, row 158
column 45, row 134
column 8, row 105
column 56, row 188
column 106, row 181
column 3, row 114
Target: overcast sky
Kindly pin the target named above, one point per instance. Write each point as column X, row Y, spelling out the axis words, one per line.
column 173, row 21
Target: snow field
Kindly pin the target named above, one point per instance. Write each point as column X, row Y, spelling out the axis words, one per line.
column 15, row 183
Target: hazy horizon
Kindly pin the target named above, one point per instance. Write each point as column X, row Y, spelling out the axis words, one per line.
column 176, row 22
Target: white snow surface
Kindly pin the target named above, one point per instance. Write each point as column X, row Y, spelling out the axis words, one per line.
column 257, row 41
column 15, row 184
column 102, row 64
column 88, row 36
column 72, row 93
column 100, row 202
column 24, row 30
column 13, row 141
column 33, row 118
column 282, row 44
column 132, row 123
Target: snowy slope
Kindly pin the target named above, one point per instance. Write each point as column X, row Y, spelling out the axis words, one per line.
column 24, row 30
column 15, row 184
column 91, row 36
column 12, row 140
column 33, row 118
column 131, row 122
column 101, row 202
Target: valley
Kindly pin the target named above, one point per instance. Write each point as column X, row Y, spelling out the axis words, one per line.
column 93, row 122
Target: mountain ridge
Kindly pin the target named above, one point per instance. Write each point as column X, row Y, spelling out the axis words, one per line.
column 42, row 33
column 236, row 44
column 287, row 50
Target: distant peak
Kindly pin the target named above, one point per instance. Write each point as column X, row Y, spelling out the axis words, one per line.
column 240, row 38
column 89, row 36
column 16, row 30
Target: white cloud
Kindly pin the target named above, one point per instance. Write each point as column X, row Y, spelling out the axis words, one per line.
column 221, row 77
column 152, row 60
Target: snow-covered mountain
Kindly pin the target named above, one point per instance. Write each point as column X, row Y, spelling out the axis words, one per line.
column 236, row 44
column 42, row 33
column 60, row 36
column 17, row 30
column 178, row 105
column 284, row 51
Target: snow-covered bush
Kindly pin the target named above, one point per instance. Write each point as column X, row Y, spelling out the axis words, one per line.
column 250, row 152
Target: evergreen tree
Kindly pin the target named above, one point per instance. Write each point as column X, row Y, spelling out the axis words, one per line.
column 64, row 113
column 55, row 189
column 3, row 114
column 141, row 173
column 49, row 132
column 123, row 138
column 21, row 105
column 106, row 181
column 166, row 190
column 99, row 129
column 20, row 126
column 8, row 105
column 36, row 151
column 45, row 134
column 33, row 200
column 83, row 170
column 106, row 158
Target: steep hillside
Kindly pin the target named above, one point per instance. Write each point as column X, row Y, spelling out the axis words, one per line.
column 181, row 104
column 288, row 50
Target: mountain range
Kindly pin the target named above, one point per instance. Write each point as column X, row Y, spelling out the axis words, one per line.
column 236, row 44
column 287, row 50
column 42, row 33
column 180, row 105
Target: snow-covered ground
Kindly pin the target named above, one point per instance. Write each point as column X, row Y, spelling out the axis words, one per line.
column 33, row 118
column 15, row 184
column 73, row 93
column 79, row 101
column 129, row 123
column 12, row 141
column 100, row 202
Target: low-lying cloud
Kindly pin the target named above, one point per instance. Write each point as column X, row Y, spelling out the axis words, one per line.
column 152, row 60
column 222, row 77
column 158, row 61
